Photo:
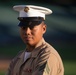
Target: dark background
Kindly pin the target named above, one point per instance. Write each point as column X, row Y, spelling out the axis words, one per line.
column 61, row 28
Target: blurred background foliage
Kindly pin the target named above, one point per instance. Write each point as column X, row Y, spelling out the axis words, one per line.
column 61, row 29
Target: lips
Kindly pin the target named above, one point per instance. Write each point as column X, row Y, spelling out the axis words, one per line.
column 27, row 38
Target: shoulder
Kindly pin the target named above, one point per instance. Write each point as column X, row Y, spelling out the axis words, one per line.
column 47, row 47
column 53, row 52
column 54, row 57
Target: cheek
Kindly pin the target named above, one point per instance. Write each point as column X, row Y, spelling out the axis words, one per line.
column 21, row 34
column 37, row 33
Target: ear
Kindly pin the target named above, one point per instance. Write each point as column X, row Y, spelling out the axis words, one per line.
column 44, row 28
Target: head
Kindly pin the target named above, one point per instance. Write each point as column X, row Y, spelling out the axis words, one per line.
column 31, row 35
column 32, row 26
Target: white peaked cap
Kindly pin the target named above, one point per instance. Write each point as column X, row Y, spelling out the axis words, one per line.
column 33, row 11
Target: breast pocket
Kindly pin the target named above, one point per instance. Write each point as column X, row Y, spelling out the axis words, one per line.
column 28, row 67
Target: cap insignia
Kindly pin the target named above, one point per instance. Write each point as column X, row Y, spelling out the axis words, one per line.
column 26, row 9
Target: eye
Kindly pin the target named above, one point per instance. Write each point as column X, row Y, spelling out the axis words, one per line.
column 23, row 28
column 31, row 27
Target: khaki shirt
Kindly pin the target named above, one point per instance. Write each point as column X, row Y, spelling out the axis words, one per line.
column 44, row 60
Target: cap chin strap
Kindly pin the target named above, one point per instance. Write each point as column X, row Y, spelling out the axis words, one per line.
column 30, row 18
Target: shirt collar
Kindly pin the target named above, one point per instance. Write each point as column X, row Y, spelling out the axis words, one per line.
column 35, row 52
column 21, row 55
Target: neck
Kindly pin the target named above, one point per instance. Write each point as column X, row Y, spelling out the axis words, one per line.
column 30, row 48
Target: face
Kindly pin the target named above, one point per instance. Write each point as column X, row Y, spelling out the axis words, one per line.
column 32, row 35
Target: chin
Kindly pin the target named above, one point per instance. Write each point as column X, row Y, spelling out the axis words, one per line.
column 29, row 43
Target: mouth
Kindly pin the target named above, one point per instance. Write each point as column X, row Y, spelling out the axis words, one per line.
column 28, row 38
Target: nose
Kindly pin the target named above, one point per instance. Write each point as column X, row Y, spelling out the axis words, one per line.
column 27, row 30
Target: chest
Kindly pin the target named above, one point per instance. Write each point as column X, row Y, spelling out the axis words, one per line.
column 24, row 68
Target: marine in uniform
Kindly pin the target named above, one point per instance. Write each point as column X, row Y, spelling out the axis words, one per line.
column 39, row 57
